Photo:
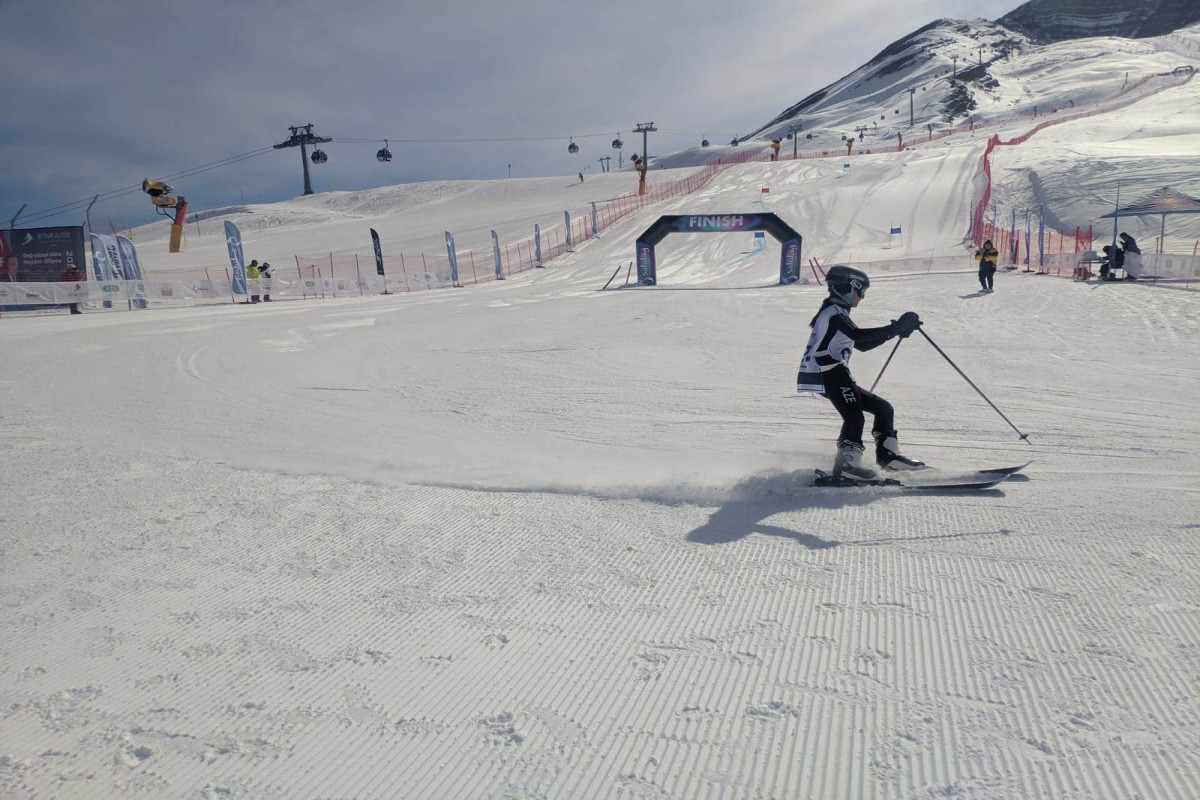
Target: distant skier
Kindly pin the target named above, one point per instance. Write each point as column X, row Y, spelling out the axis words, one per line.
column 581, row 177
column 825, row 370
column 265, row 272
column 252, row 275
column 986, row 256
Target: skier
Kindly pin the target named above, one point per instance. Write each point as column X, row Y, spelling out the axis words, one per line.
column 986, row 256
column 825, row 370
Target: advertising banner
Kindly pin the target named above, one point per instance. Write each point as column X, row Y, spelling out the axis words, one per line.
column 41, row 254
column 378, row 252
column 537, row 244
column 567, row 217
column 101, row 263
column 133, row 267
column 99, row 258
column 233, row 241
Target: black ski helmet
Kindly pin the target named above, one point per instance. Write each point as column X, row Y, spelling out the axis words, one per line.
column 842, row 280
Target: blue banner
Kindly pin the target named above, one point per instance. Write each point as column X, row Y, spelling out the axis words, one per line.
column 452, row 255
column 894, row 231
column 496, row 254
column 233, row 240
column 595, row 221
column 645, row 264
column 99, row 258
column 789, row 270
column 100, row 262
column 133, row 267
column 537, row 244
column 567, row 217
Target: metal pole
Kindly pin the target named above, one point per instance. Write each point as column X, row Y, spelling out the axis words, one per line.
column 1024, row 436
column 885, row 365
column 1116, row 210
column 13, row 222
column 88, row 214
column 304, row 161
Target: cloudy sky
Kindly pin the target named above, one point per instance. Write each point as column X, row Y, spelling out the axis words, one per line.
column 102, row 94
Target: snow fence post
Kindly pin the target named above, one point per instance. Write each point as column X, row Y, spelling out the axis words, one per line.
column 567, row 217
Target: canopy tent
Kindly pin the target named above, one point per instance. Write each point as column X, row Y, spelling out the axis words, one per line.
column 1162, row 202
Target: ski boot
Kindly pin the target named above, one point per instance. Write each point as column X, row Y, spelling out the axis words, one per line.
column 848, row 465
column 887, row 453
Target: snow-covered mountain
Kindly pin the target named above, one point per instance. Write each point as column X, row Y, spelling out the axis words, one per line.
column 1058, row 20
column 945, row 62
column 950, row 70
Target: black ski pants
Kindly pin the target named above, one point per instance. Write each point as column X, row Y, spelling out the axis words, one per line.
column 986, row 271
column 852, row 401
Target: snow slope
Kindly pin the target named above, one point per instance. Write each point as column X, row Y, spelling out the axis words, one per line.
column 530, row 539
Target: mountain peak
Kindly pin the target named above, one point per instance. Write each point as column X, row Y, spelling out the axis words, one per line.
column 1047, row 21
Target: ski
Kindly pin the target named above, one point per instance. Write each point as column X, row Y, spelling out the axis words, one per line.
column 1006, row 470
column 916, row 481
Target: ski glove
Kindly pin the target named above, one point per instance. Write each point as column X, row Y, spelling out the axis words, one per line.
column 908, row 322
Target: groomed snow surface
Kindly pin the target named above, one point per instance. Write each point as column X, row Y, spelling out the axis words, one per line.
column 530, row 539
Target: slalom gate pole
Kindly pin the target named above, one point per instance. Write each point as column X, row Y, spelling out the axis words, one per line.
column 885, row 365
column 1024, row 436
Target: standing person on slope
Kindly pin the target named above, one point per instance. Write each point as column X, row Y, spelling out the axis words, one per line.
column 825, row 370
column 986, row 256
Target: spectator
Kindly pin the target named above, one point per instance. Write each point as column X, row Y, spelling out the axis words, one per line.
column 1132, row 257
column 72, row 275
column 265, row 272
column 252, row 275
column 986, row 256
column 1113, row 261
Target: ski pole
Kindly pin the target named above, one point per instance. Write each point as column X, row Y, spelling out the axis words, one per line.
column 1024, row 436
column 885, row 365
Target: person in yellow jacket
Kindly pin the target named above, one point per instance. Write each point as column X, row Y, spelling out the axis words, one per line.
column 986, row 256
column 252, row 275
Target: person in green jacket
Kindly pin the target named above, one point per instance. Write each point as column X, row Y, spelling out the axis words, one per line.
column 986, row 256
column 252, row 275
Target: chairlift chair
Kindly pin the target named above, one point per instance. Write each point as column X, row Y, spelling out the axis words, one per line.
column 318, row 157
column 572, row 147
column 617, row 144
column 704, row 142
column 384, row 154
column 734, row 143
